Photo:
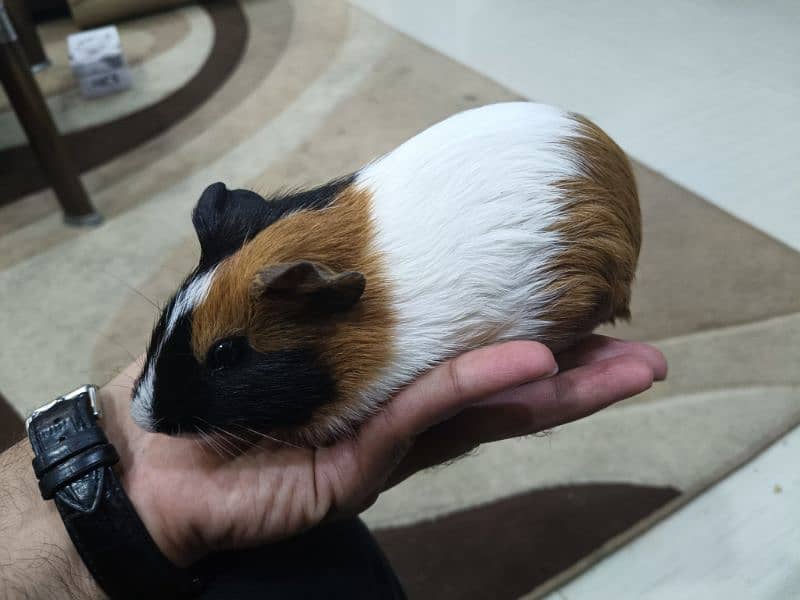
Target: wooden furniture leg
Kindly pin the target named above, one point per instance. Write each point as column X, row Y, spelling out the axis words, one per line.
column 32, row 111
column 23, row 24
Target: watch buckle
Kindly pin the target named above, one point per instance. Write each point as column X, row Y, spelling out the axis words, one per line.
column 90, row 390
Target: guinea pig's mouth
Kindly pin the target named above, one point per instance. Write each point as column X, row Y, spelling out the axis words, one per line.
column 185, row 428
column 147, row 416
column 190, row 413
column 233, row 440
column 223, row 436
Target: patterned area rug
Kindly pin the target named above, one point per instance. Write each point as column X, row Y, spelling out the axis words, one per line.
column 277, row 94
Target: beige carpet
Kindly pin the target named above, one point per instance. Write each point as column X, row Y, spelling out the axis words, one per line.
column 277, row 93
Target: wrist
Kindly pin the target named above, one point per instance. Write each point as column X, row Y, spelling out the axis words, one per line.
column 61, row 553
column 145, row 487
column 75, row 467
column 181, row 545
column 37, row 556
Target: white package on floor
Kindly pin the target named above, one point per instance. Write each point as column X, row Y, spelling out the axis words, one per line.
column 98, row 62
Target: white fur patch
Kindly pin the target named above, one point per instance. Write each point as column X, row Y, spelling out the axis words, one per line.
column 462, row 212
column 186, row 300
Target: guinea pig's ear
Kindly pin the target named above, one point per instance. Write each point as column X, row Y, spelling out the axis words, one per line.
column 225, row 219
column 310, row 285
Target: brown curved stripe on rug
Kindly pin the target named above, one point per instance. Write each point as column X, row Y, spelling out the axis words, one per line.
column 95, row 145
column 505, row 549
column 11, row 427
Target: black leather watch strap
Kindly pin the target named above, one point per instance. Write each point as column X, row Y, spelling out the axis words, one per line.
column 73, row 462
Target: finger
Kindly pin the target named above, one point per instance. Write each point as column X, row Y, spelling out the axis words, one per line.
column 528, row 409
column 459, row 382
column 600, row 347
column 448, row 389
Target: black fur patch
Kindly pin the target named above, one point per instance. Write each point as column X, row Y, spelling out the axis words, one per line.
column 262, row 391
column 225, row 219
column 157, row 334
column 269, row 390
column 178, row 389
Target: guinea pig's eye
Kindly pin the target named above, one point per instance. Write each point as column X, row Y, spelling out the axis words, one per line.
column 225, row 353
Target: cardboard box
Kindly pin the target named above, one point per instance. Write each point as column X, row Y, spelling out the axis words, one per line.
column 98, row 62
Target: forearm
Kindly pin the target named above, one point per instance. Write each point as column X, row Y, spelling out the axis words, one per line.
column 37, row 558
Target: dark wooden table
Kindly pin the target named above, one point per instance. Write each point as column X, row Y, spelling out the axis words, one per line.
column 26, row 99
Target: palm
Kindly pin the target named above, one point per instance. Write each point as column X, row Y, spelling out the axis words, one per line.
column 207, row 496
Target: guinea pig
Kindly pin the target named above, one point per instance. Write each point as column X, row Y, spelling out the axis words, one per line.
column 308, row 310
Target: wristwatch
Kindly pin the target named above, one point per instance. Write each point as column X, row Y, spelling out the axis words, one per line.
column 73, row 462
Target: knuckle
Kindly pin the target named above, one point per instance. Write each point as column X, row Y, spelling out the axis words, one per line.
column 455, row 378
column 555, row 389
column 399, row 452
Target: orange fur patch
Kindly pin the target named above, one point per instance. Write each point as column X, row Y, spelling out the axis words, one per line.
column 354, row 344
column 603, row 234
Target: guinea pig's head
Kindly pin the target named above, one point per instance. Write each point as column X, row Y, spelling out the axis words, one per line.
column 239, row 346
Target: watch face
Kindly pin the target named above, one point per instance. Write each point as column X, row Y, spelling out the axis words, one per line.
column 90, row 390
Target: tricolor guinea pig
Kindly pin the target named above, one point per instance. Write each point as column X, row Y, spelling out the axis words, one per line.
column 307, row 311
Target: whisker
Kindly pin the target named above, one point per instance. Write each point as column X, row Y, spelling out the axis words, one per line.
column 108, row 338
column 221, row 441
column 199, row 444
column 233, row 435
column 132, row 288
column 214, row 445
column 268, row 437
column 118, row 385
column 210, row 442
column 226, row 437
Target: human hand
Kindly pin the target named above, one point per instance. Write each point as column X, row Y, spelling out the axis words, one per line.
column 196, row 498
